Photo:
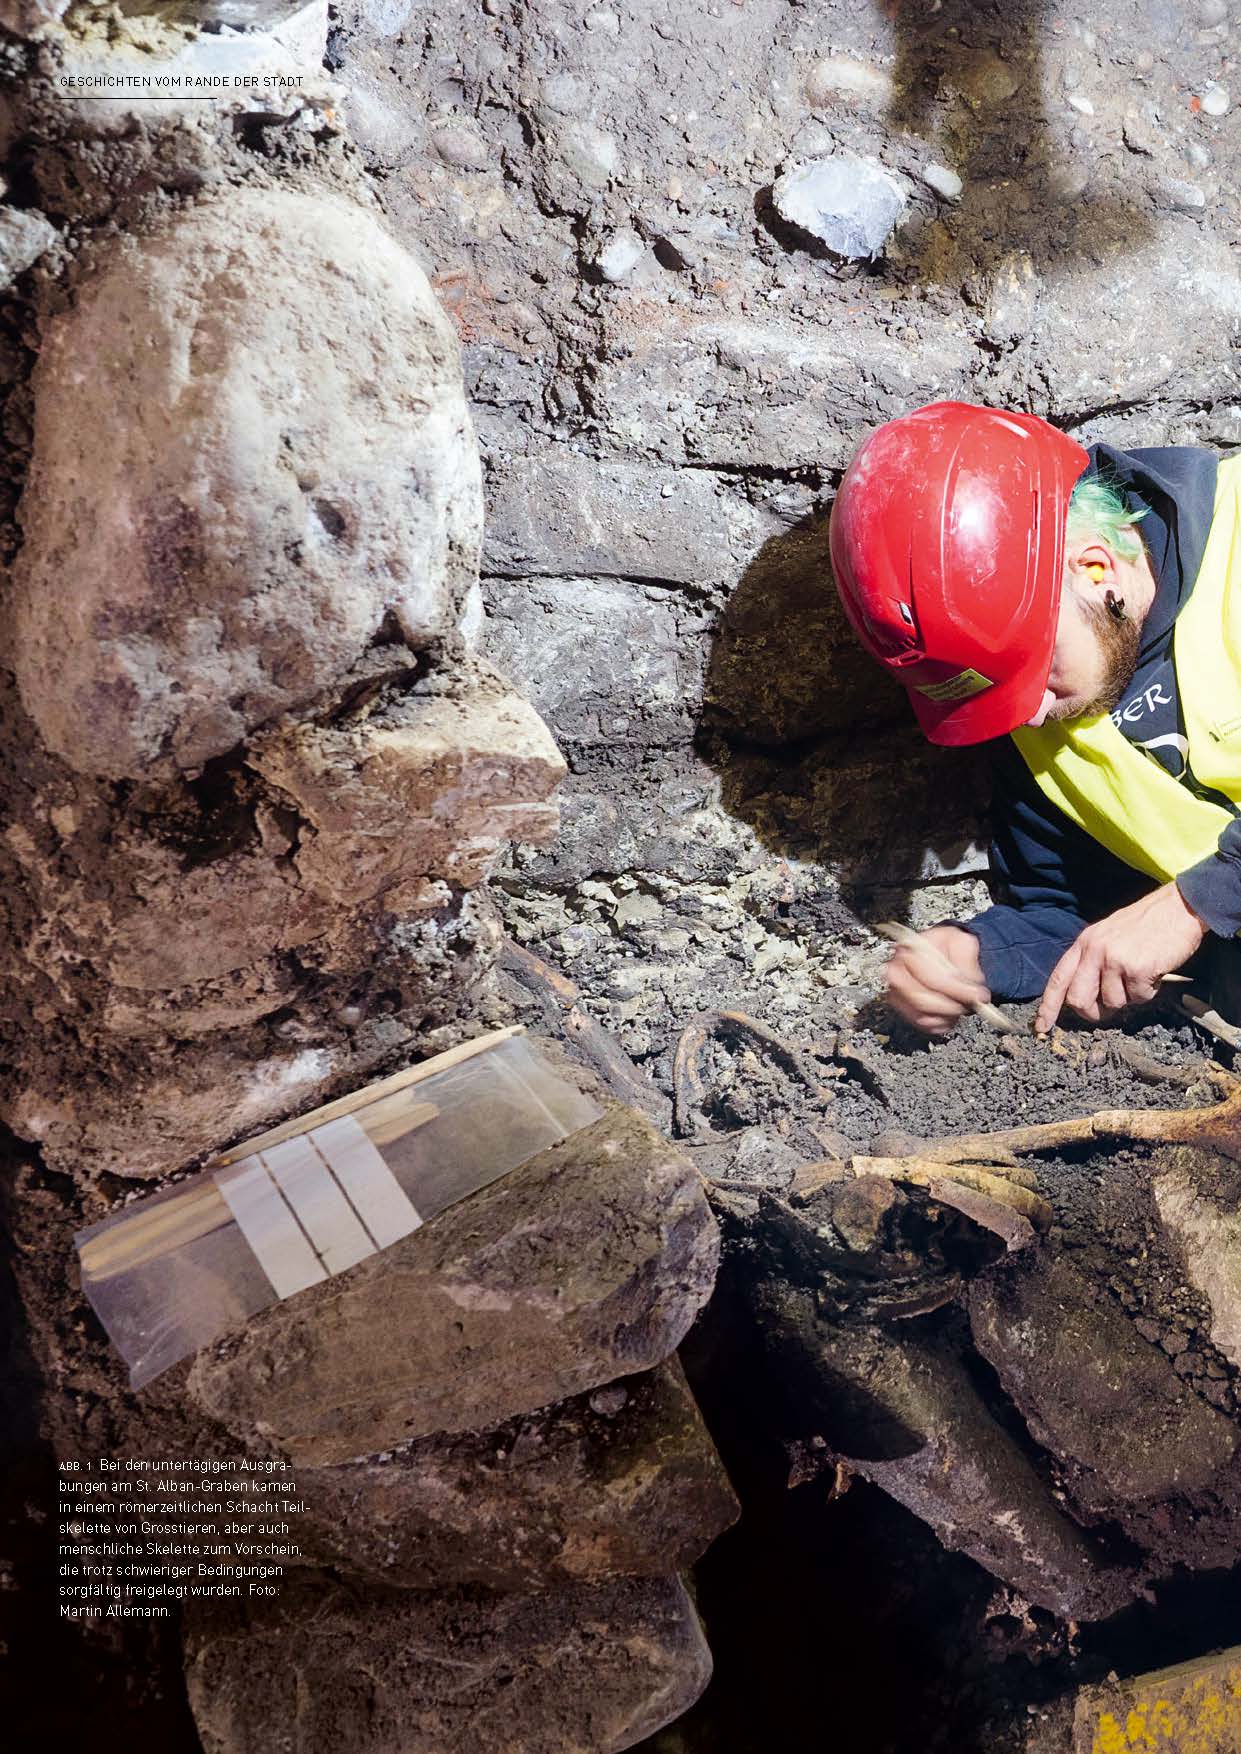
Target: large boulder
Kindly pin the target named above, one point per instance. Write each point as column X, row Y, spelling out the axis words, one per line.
column 1092, row 1390
column 586, row 1670
column 290, row 470
column 623, row 1481
column 587, row 1263
column 903, row 1410
column 432, row 783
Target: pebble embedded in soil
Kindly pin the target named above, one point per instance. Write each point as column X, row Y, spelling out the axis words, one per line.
column 25, row 235
column 842, row 77
column 610, row 1400
column 849, row 204
column 943, row 180
column 619, row 257
column 1182, row 196
column 461, row 147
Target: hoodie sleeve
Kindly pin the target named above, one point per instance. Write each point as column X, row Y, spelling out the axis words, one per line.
column 1052, row 880
column 1213, row 887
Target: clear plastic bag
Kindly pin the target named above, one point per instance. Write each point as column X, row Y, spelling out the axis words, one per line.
column 172, row 1273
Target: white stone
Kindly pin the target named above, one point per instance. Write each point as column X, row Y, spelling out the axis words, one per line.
column 943, row 180
column 851, row 204
column 1215, row 100
column 24, row 236
column 1078, row 101
column 620, row 256
column 473, row 617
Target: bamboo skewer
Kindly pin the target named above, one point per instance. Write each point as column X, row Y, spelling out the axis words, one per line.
column 144, row 1238
column 389, row 1110
column 187, row 1217
column 344, row 1105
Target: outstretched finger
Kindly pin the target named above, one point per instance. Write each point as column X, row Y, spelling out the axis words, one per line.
column 1052, row 1002
column 1085, row 994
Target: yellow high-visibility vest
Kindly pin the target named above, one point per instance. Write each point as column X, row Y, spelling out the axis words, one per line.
column 1113, row 789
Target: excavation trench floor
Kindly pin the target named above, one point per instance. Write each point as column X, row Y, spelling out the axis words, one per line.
column 938, row 1654
column 974, row 1080
column 760, row 1124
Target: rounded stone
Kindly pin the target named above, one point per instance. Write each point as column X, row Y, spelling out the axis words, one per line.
column 840, row 76
column 251, row 451
column 945, row 181
column 620, row 256
column 461, row 147
column 1215, row 100
column 850, row 204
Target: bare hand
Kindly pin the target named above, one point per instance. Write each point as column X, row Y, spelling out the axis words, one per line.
column 926, row 994
column 1121, row 960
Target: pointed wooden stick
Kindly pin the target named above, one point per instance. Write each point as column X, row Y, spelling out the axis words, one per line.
column 172, row 1223
column 386, row 1111
column 344, row 1105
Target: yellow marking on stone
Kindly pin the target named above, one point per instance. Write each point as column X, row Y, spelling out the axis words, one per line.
column 1109, row 1738
column 1176, row 1712
column 1136, row 1733
column 1163, row 1718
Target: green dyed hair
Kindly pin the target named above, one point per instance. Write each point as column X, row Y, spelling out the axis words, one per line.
column 1096, row 508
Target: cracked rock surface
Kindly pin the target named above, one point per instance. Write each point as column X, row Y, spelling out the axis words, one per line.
column 291, row 464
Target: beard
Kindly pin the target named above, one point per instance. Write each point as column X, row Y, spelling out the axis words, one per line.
column 1119, row 642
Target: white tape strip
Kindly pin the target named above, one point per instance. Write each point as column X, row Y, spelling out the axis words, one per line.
column 376, row 1195
column 269, row 1227
column 321, row 1209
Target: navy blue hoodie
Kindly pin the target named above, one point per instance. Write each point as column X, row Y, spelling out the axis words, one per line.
column 1050, row 877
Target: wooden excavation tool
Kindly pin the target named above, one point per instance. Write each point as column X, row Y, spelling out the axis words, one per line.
column 385, row 1111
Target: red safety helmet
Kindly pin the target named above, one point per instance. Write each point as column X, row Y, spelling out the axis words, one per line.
column 947, row 542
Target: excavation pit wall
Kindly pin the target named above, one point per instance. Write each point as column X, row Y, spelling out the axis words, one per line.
column 666, row 379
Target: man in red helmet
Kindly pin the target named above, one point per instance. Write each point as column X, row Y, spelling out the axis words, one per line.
column 1084, row 608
